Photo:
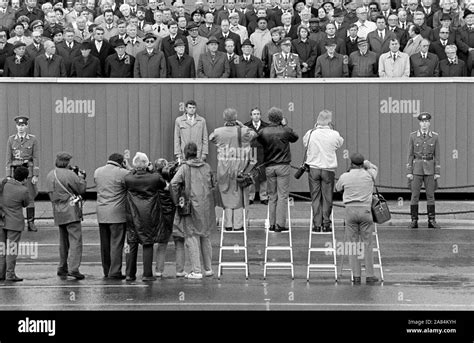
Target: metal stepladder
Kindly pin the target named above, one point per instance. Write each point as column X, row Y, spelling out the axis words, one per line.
column 236, row 248
column 322, row 267
column 375, row 249
column 270, row 265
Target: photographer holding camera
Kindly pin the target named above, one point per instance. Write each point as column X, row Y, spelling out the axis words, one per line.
column 111, row 194
column 65, row 188
column 321, row 144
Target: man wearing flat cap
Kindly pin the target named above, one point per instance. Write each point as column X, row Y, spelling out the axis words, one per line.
column 357, row 186
column 423, row 167
column 23, row 150
column 151, row 62
column 285, row 64
column 181, row 65
column 86, row 65
column 331, row 64
column 18, row 65
column 465, row 36
column 213, row 63
column 363, row 63
column 64, row 189
column 247, row 65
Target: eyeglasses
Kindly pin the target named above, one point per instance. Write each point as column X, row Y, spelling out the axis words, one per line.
column 150, row 41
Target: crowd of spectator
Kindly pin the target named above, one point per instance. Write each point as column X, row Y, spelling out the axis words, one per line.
column 156, row 39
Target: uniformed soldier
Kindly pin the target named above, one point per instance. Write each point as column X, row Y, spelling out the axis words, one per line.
column 423, row 167
column 285, row 64
column 23, row 150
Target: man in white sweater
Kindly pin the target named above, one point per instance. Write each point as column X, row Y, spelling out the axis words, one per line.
column 321, row 144
column 357, row 185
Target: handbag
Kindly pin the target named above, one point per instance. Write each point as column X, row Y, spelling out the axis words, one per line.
column 74, row 200
column 184, row 201
column 304, row 167
column 379, row 207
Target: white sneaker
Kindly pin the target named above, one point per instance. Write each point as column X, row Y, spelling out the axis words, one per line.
column 194, row 275
column 209, row 273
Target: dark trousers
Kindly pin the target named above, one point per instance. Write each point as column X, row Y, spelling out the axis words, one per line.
column 416, row 183
column 112, row 239
column 70, row 247
column 321, row 185
column 131, row 260
column 9, row 238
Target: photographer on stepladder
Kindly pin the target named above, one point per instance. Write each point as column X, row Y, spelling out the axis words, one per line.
column 321, row 144
column 65, row 185
column 233, row 155
column 276, row 139
column 357, row 186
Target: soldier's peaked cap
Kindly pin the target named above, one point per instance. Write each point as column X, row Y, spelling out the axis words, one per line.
column 21, row 120
column 424, row 116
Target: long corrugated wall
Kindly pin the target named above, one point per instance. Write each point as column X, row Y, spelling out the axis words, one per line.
column 92, row 120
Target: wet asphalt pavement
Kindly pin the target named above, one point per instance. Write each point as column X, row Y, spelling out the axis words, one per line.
column 424, row 269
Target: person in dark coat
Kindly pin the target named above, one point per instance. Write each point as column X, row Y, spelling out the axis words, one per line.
column 68, row 49
column 167, row 44
column 14, row 197
column 6, row 49
column 248, row 66
column 49, row 64
column 65, row 188
column 331, row 64
column 36, row 48
column 257, row 124
column 119, row 64
column 181, row 65
column 111, row 213
column 18, row 65
column 213, row 64
column 144, row 215
column 465, row 36
column 105, row 48
column 452, row 66
column 31, row 11
column 150, row 62
column 307, row 50
column 85, row 65
column 424, row 63
column 226, row 34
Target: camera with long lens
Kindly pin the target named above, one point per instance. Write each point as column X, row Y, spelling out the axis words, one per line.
column 301, row 170
column 78, row 171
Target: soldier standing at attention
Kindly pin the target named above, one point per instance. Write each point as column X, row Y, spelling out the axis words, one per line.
column 423, row 167
column 285, row 64
column 23, row 150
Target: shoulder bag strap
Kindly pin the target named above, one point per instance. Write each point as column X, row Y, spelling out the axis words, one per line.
column 62, row 186
column 187, row 181
column 307, row 146
column 239, row 136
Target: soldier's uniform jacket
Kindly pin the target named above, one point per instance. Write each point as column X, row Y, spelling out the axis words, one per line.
column 423, row 154
column 282, row 69
column 22, row 153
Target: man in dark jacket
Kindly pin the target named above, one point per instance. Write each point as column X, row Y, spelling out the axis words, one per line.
column 307, row 50
column 424, row 63
column 101, row 48
column 119, row 64
column 111, row 195
column 150, row 62
column 6, row 49
column 248, row 66
column 85, row 65
column 68, row 49
column 260, row 185
column 181, row 65
column 276, row 139
column 452, row 66
column 144, row 215
column 65, row 188
column 14, row 196
column 331, row 64
column 18, row 65
column 49, row 64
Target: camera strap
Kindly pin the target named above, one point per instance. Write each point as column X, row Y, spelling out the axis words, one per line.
column 62, row 186
column 307, row 146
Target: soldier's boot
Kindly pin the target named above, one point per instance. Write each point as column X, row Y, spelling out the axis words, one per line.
column 414, row 217
column 431, row 217
column 30, row 218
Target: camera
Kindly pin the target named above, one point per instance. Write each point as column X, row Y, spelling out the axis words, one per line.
column 301, row 170
column 78, row 171
column 169, row 171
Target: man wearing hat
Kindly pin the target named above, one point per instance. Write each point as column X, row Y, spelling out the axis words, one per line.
column 341, row 26
column 357, row 185
column 150, row 62
column 260, row 37
column 423, row 167
column 85, row 65
column 465, row 36
column 445, row 22
column 119, row 64
column 247, row 65
column 363, row 63
column 307, row 51
column 181, row 65
column 197, row 44
column 285, row 64
column 18, row 65
column 213, row 63
column 19, row 31
column 64, row 189
column 331, row 64
column 23, row 150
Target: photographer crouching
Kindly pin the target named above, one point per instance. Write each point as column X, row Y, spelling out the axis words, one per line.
column 65, row 185
column 321, row 144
